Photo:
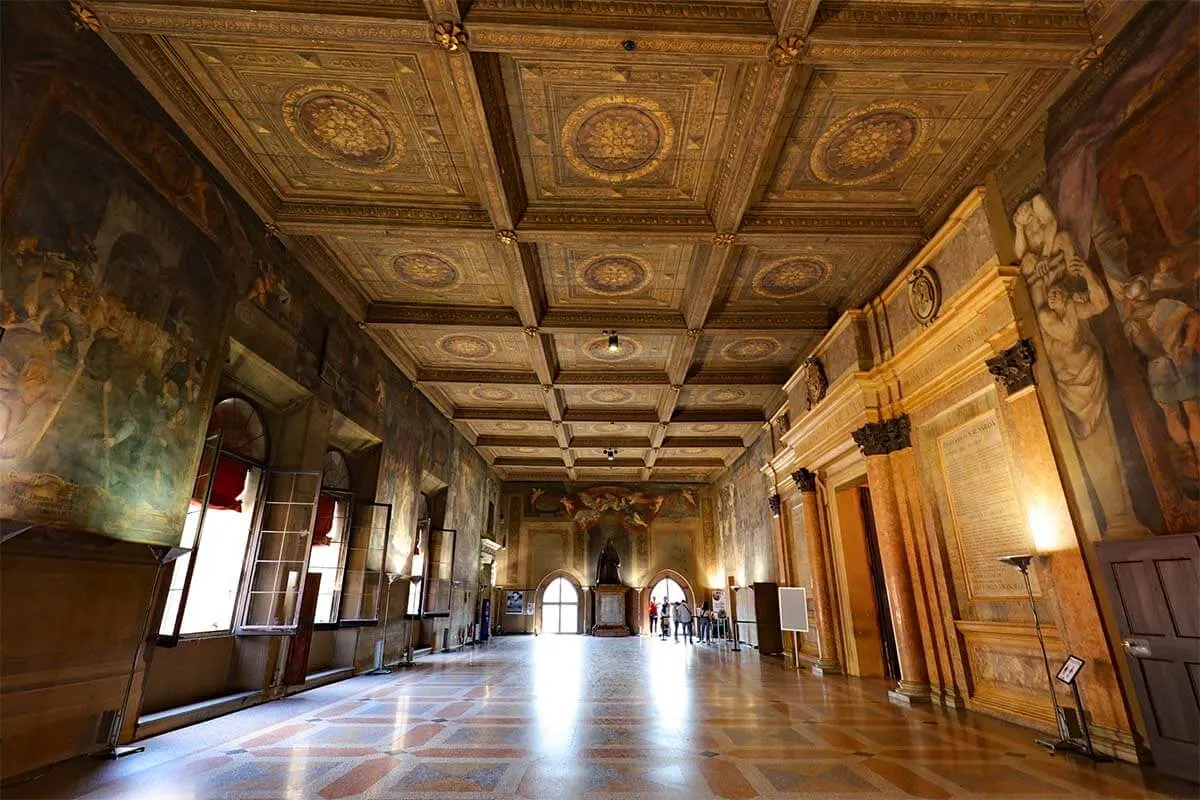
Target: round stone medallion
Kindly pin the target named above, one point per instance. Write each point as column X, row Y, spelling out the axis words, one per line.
column 425, row 271
column 609, row 396
column 617, row 138
column 465, row 346
column 343, row 126
column 725, row 396
column 869, row 144
column 754, row 348
column 613, row 276
column 597, row 349
column 789, row 278
column 491, row 394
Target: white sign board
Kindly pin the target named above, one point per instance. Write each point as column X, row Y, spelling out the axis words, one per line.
column 793, row 608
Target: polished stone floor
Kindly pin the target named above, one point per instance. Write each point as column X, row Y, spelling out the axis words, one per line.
column 577, row 717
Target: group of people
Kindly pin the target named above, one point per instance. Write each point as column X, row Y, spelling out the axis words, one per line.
column 680, row 618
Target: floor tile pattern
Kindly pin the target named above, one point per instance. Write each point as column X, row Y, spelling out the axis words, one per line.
column 577, row 717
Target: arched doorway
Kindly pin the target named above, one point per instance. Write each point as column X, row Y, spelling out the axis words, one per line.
column 560, row 607
column 671, row 589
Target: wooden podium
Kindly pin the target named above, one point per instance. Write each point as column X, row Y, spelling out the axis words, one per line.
column 610, row 611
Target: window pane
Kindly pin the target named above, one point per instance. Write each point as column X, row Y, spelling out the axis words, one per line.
column 327, row 557
column 189, row 535
column 285, row 526
column 550, row 618
column 439, row 571
column 220, row 559
column 366, row 542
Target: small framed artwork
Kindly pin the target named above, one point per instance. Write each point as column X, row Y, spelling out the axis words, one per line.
column 1069, row 669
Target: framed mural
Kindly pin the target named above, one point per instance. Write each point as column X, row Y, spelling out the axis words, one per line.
column 112, row 304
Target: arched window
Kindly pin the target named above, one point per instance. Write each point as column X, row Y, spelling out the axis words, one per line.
column 560, row 607
column 204, row 583
column 668, row 589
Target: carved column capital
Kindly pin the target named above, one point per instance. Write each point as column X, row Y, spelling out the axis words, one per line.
column 881, row 438
column 806, row 480
column 450, row 36
column 776, row 504
column 1014, row 367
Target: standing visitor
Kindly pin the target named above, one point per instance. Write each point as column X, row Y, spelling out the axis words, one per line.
column 664, row 618
column 706, row 622
column 653, row 615
column 676, row 622
column 685, row 619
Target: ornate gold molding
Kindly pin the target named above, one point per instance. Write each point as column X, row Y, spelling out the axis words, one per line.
column 450, row 36
column 85, row 18
column 787, row 50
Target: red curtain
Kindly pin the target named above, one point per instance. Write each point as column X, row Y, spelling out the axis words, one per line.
column 228, row 484
column 324, row 522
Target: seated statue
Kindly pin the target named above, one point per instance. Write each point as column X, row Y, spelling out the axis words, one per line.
column 608, row 566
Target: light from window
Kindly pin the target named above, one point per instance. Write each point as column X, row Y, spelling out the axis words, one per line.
column 327, row 559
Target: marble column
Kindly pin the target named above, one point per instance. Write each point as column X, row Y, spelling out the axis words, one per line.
column 827, row 660
column 877, row 439
column 1061, row 565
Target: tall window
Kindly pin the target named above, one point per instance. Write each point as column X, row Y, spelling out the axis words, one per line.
column 416, row 592
column 560, row 607
column 330, row 533
column 439, row 572
column 204, row 583
column 670, row 589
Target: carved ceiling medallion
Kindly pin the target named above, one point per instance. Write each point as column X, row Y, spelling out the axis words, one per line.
column 597, row 349
column 616, row 138
column 725, row 396
column 791, row 277
column 491, row 394
column 425, row 271
column 754, row 348
column 924, row 295
column 613, row 276
column 870, row 144
column 343, row 127
column 462, row 345
column 609, row 396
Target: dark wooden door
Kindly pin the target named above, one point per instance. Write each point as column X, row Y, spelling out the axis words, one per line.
column 883, row 614
column 297, row 659
column 1155, row 592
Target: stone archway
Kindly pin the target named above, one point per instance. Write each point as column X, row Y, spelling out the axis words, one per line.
column 547, row 584
column 648, row 591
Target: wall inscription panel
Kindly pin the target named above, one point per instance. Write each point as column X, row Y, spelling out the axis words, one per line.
column 984, row 508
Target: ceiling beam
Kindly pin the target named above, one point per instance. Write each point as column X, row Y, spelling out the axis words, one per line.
column 517, row 441
column 511, row 378
column 704, row 441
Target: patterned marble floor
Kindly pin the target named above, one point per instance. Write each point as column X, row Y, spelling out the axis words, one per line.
column 577, row 717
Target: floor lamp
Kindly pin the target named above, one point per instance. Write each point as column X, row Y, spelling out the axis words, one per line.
column 1065, row 742
column 162, row 556
column 383, row 668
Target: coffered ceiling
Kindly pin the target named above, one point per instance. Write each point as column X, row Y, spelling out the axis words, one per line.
column 491, row 185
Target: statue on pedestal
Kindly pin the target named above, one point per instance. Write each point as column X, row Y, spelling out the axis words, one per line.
column 608, row 566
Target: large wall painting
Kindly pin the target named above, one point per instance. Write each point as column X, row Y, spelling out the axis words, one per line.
column 112, row 303
column 1110, row 253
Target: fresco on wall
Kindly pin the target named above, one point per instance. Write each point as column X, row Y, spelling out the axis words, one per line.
column 110, row 301
column 634, row 509
column 745, row 532
column 1109, row 250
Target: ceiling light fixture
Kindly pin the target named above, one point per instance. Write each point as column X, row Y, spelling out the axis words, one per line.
column 614, row 344
column 610, row 453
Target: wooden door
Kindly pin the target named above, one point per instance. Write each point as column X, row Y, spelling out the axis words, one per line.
column 297, row 659
column 1155, row 589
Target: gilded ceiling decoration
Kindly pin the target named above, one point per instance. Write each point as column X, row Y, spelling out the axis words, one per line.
column 870, row 143
column 491, row 185
column 491, row 394
column 754, row 348
column 425, row 271
column 618, row 138
column 598, row 349
column 614, row 275
column 343, row 126
column 465, row 346
column 791, row 277
column 610, row 396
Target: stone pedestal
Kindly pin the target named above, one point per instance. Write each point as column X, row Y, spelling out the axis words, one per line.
column 610, row 611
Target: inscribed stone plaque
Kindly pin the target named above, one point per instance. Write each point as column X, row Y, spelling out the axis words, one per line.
column 612, row 609
column 984, row 508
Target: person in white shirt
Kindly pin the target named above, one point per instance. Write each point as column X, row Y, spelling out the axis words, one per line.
column 685, row 619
